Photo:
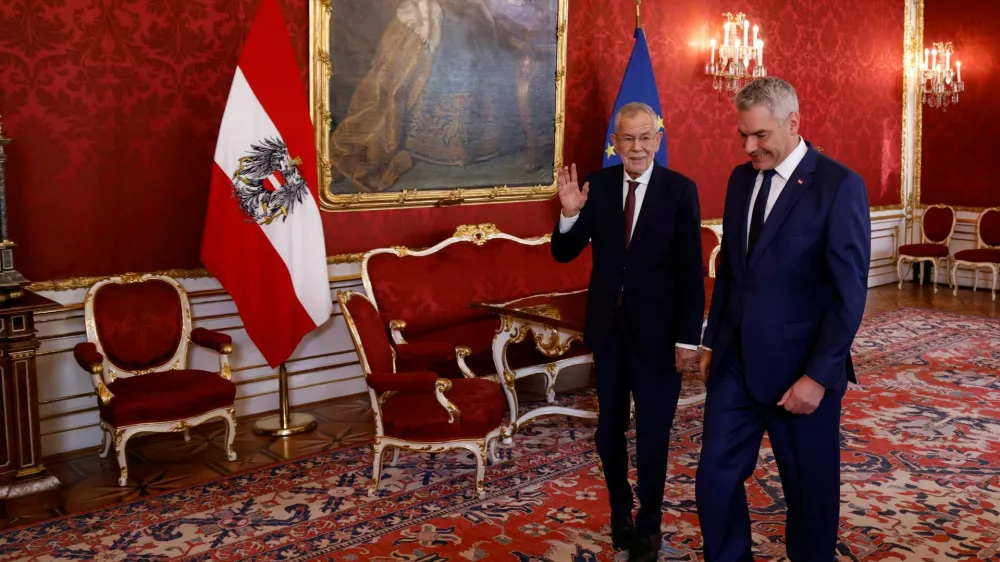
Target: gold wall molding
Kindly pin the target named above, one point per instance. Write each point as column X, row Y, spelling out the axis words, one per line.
column 201, row 273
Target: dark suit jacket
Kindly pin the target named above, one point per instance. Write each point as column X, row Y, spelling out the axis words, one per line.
column 798, row 304
column 660, row 276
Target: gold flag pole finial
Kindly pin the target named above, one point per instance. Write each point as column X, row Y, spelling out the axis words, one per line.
column 638, row 20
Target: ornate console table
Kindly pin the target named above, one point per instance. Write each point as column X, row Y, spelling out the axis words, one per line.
column 554, row 321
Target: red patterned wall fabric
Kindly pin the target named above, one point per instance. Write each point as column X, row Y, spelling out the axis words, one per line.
column 114, row 108
column 958, row 144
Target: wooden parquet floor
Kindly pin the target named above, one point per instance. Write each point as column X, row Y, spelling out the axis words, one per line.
column 159, row 464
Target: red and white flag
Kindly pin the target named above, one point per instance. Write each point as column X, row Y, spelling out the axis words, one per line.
column 263, row 236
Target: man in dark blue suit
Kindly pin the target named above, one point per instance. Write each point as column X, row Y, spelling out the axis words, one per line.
column 645, row 308
column 788, row 300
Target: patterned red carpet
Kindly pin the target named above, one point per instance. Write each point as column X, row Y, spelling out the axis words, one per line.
column 921, row 481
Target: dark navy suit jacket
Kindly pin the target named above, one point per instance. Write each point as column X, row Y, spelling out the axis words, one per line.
column 798, row 304
column 660, row 276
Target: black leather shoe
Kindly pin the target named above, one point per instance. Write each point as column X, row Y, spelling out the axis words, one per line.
column 623, row 535
column 646, row 549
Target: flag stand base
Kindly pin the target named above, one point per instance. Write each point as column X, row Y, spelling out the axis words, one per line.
column 285, row 423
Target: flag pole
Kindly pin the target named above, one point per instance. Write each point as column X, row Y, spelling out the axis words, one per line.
column 285, row 423
column 638, row 20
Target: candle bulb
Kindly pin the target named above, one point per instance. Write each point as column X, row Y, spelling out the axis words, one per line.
column 713, row 51
column 725, row 37
column 746, row 27
column 958, row 66
column 947, row 60
column 755, row 35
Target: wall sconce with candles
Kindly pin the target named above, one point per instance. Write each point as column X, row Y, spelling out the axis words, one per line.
column 941, row 84
column 736, row 55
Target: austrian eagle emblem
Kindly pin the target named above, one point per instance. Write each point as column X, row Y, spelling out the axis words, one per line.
column 267, row 182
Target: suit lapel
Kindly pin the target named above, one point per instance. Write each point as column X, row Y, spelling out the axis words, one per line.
column 741, row 253
column 796, row 187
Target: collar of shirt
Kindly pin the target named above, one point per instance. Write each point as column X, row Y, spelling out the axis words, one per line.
column 786, row 168
column 643, row 179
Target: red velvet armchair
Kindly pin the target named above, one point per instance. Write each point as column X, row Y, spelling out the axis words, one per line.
column 937, row 226
column 138, row 330
column 986, row 255
column 418, row 410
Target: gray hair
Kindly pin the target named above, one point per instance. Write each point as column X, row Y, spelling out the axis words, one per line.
column 773, row 93
column 634, row 107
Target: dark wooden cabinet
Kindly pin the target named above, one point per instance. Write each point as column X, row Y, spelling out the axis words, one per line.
column 21, row 468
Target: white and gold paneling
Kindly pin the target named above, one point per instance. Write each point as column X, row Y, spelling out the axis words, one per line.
column 324, row 366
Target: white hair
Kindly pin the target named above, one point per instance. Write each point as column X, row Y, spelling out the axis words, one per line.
column 775, row 94
column 632, row 108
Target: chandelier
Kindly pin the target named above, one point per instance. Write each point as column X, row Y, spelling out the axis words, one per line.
column 737, row 54
column 941, row 84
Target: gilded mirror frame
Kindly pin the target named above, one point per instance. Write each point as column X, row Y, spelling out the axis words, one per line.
column 320, row 73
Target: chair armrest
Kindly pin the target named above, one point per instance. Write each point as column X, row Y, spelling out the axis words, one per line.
column 92, row 361
column 397, row 327
column 89, row 358
column 402, row 382
column 425, row 351
column 216, row 341
column 416, row 381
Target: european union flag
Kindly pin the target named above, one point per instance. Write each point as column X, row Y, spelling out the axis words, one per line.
column 638, row 85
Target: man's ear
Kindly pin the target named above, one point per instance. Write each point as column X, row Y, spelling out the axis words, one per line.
column 793, row 123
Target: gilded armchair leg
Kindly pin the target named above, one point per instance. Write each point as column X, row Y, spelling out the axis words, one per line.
column 480, row 469
column 230, row 418
column 493, row 450
column 187, row 435
column 395, row 456
column 122, row 461
column 106, row 439
column 376, row 469
column 899, row 272
column 954, row 279
column 996, row 271
column 934, row 264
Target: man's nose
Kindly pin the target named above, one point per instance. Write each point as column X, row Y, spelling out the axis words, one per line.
column 750, row 144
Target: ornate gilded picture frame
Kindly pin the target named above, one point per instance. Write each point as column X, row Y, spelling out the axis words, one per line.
column 437, row 102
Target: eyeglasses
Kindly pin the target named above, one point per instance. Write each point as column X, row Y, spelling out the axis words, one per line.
column 644, row 139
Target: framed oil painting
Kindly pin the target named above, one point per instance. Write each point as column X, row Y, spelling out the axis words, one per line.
column 437, row 102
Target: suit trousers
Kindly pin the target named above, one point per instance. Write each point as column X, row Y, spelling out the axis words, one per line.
column 654, row 385
column 806, row 450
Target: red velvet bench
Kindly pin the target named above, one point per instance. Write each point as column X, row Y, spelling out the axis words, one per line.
column 425, row 297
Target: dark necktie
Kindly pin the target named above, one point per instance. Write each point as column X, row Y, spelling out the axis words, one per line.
column 759, row 207
column 630, row 211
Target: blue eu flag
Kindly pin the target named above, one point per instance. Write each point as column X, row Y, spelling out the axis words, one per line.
column 638, row 85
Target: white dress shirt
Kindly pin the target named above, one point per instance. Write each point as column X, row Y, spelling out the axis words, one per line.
column 782, row 173
column 640, row 193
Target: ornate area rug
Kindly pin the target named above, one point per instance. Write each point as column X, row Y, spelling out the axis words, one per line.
column 921, row 481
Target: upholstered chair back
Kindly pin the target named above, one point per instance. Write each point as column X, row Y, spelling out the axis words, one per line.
column 139, row 324
column 938, row 224
column 989, row 228
column 367, row 331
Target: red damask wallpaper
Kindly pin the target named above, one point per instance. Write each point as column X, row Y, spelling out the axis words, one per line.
column 114, row 106
column 958, row 144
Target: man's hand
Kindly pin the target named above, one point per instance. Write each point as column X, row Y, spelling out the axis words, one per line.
column 685, row 359
column 570, row 196
column 803, row 397
column 703, row 364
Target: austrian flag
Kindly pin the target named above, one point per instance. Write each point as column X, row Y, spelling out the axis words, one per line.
column 263, row 236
